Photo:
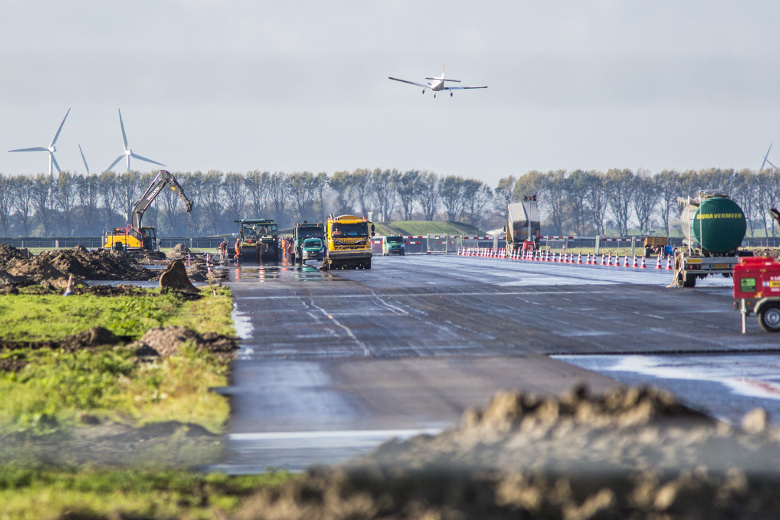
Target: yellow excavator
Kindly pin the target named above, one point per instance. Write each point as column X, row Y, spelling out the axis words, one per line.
column 135, row 236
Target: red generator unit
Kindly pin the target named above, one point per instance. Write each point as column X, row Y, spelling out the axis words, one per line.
column 757, row 289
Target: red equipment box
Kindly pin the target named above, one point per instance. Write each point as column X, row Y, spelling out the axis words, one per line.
column 756, row 277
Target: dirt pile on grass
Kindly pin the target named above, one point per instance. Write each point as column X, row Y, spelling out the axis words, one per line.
column 170, row 340
column 52, row 268
column 90, row 338
column 774, row 252
column 630, row 453
column 178, row 251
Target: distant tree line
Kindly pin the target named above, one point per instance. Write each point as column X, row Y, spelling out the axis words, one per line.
column 580, row 202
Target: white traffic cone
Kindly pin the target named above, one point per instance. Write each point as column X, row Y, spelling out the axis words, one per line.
column 603, row 257
column 669, row 263
column 644, row 265
column 658, row 262
column 634, row 264
column 625, row 261
column 579, row 257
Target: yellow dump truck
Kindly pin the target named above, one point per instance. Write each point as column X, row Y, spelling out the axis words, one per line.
column 348, row 241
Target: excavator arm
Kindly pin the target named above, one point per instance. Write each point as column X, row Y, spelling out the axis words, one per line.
column 162, row 179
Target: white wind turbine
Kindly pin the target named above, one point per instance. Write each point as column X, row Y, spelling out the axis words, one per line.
column 128, row 152
column 766, row 160
column 86, row 166
column 51, row 148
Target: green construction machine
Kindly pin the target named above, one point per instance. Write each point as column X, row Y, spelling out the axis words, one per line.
column 259, row 239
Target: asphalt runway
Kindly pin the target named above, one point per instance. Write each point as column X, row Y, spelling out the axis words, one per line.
column 334, row 363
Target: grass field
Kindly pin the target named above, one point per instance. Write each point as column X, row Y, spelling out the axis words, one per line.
column 424, row 227
column 55, row 386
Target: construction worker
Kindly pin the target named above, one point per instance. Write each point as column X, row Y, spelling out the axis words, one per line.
column 238, row 250
column 223, row 250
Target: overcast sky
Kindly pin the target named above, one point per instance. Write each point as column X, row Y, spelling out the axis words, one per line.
column 237, row 86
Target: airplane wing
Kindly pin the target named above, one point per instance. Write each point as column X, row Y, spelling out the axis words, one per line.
column 461, row 88
column 423, row 85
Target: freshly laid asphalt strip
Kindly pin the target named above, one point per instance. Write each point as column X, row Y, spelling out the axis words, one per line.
column 333, row 363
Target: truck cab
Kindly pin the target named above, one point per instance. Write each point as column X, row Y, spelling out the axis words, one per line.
column 393, row 245
column 301, row 233
column 348, row 242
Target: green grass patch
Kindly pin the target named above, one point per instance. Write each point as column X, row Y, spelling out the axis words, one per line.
column 56, row 387
column 34, row 493
column 425, row 227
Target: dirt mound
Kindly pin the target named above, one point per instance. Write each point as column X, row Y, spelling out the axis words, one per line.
column 630, row 453
column 178, row 251
column 52, row 267
column 176, row 277
column 88, row 339
column 774, row 252
column 169, row 340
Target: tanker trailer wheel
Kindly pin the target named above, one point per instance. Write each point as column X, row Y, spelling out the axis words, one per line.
column 681, row 279
column 769, row 317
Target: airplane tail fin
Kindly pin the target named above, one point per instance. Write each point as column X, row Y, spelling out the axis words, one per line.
column 442, row 78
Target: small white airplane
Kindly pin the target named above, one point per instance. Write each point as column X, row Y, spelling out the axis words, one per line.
column 436, row 85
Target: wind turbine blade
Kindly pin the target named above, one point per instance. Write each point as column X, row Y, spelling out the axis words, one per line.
column 124, row 136
column 36, row 149
column 771, row 164
column 766, row 158
column 54, row 160
column 114, row 163
column 136, row 156
column 59, row 129
column 84, row 159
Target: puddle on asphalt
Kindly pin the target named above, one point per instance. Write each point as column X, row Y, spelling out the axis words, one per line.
column 723, row 386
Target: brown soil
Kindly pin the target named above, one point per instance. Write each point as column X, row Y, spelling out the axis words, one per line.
column 169, row 340
column 178, row 251
column 630, row 453
column 766, row 251
column 52, row 268
column 91, row 338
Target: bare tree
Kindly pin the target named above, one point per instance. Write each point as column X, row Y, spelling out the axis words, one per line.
column 22, row 187
column 320, row 189
column 554, row 191
column 212, row 200
column 360, row 188
column 257, row 185
column 504, row 193
column 7, row 202
column 109, row 194
column 646, row 195
column 341, row 184
column 129, row 192
column 577, row 194
column 65, row 198
column 42, row 201
column 278, row 193
column 597, row 200
column 407, row 187
column 383, row 184
column 478, row 197
column 668, row 182
column 428, row 195
column 233, row 189
column 88, row 193
column 620, row 187
column 301, row 190
column 452, row 196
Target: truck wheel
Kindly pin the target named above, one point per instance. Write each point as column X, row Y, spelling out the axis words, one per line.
column 687, row 281
column 769, row 317
column 368, row 265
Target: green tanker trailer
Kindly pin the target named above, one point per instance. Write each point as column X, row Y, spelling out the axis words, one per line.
column 713, row 226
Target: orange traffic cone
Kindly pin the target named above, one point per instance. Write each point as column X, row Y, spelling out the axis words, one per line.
column 603, row 256
column 634, row 264
column 658, row 262
column 625, row 261
column 668, row 263
column 644, row 265
column 579, row 257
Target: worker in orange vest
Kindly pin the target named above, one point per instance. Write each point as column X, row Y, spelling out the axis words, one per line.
column 238, row 250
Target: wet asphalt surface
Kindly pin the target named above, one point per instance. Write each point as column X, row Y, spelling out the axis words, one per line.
column 331, row 364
